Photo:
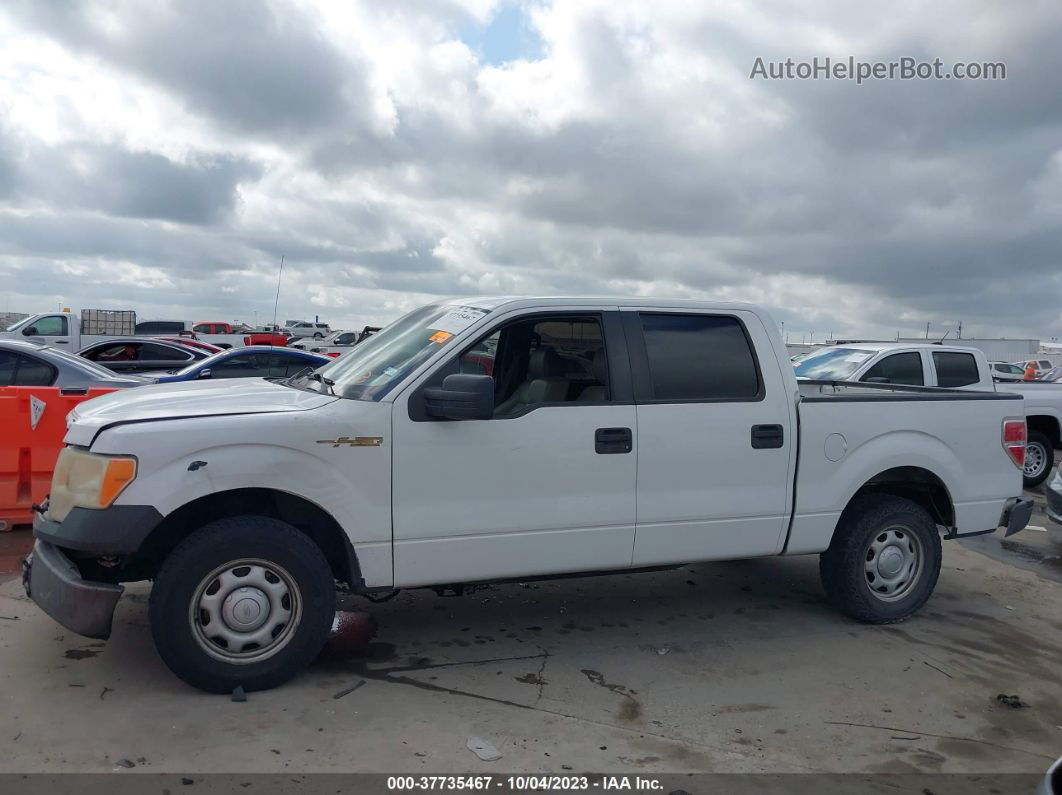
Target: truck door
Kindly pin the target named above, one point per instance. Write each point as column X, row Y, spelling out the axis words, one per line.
column 50, row 330
column 545, row 486
column 716, row 448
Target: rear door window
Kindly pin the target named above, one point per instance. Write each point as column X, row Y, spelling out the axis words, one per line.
column 247, row 365
column 955, row 369
column 163, row 353
column 898, row 368
column 34, row 372
column 700, row 357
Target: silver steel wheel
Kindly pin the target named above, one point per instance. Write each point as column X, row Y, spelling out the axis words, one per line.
column 894, row 563
column 1035, row 460
column 245, row 611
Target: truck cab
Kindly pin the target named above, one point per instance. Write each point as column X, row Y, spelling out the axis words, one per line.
column 55, row 328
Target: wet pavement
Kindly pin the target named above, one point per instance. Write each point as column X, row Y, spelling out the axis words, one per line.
column 726, row 667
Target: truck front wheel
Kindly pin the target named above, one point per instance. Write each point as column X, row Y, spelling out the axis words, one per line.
column 243, row 601
column 884, row 559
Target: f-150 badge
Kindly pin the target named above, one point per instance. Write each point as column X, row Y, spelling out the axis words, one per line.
column 357, row 441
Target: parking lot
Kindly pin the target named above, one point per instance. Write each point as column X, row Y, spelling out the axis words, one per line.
column 724, row 667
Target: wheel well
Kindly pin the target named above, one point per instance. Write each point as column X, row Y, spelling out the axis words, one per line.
column 302, row 514
column 1047, row 425
column 917, row 485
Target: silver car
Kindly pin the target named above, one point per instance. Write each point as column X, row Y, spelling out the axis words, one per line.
column 25, row 363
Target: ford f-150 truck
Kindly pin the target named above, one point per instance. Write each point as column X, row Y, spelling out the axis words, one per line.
column 498, row 439
column 952, row 366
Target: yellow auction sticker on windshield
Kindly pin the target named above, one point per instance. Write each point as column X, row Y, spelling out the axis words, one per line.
column 439, row 337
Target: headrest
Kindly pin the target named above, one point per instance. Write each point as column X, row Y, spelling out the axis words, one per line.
column 545, row 363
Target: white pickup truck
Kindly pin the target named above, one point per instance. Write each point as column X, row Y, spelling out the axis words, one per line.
column 952, row 366
column 503, row 439
column 63, row 330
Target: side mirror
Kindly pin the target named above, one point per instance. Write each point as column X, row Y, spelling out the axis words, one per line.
column 204, row 373
column 31, row 331
column 461, row 397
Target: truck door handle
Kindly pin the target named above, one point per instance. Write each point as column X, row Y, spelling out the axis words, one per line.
column 767, row 436
column 613, row 440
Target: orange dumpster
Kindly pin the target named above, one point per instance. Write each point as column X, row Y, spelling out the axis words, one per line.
column 32, row 427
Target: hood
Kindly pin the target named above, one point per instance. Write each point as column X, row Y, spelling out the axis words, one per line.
column 185, row 400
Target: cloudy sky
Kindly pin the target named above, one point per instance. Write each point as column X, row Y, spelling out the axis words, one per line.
column 163, row 156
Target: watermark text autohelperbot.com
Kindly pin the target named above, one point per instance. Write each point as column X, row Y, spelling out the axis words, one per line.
column 905, row 68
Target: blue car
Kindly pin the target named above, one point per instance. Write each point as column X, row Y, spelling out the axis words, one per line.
column 253, row 361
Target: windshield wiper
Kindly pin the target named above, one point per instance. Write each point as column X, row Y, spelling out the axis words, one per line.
column 328, row 382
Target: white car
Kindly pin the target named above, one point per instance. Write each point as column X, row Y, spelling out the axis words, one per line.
column 1041, row 365
column 336, row 342
column 1007, row 371
column 951, row 366
column 314, row 330
column 497, row 439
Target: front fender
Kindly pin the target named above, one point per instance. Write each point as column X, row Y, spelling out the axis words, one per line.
column 179, row 461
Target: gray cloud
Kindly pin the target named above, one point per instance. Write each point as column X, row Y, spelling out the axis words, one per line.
column 856, row 207
column 261, row 68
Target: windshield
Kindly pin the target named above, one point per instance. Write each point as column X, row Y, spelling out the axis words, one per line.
column 19, row 323
column 831, row 364
column 375, row 366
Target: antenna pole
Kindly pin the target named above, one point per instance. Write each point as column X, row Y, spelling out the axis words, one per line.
column 276, row 303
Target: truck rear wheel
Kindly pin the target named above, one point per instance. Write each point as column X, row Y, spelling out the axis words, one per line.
column 243, row 601
column 884, row 559
column 1039, row 458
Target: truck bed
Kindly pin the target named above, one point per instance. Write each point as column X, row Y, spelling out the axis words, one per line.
column 850, row 433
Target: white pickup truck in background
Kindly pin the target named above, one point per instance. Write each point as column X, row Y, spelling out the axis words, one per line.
column 951, row 366
column 68, row 332
column 502, row 439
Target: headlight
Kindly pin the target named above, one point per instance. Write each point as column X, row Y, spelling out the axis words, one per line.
column 87, row 480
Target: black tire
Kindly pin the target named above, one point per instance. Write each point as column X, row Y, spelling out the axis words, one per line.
column 1047, row 450
column 843, row 567
column 180, row 639
column 318, row 336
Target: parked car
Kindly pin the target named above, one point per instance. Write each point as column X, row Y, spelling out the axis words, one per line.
column 159, row 327
column 391, row 468
column 137, row 354
column 1041, row 366
column 1053, row 493
column 303, row 329
column 256, row 361
column 1053, row 376
column 220, row 327
column 1006, row 372
column 952, row 366
column 193, row 343
column 32, row 364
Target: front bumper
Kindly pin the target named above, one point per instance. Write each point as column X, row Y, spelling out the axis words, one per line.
column 54, row 583
column 1053, row 493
